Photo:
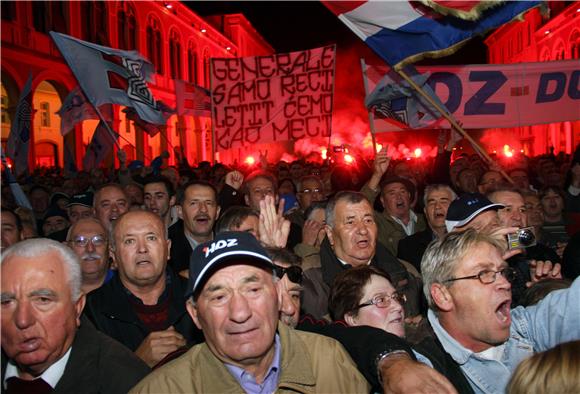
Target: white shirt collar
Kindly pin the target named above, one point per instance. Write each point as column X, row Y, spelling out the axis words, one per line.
column 344, row 263
column 409, row 228
column 51, row 376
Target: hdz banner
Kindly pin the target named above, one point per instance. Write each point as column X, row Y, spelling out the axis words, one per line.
column 490, row 95
column 272, row 98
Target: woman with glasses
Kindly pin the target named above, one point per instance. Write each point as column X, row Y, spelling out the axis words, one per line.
column 364, row 296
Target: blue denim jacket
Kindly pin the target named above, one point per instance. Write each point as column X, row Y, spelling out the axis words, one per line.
column 553, row 320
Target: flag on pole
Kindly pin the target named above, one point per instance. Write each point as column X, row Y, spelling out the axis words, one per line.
column 108, row 75
column 400, row 32
column 149, row 128
column 101, row 144
column 394, row 100
column 75, row 108
column 19, row 139
column 192, row 99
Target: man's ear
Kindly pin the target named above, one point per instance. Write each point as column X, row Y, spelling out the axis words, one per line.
column 350, row 320
column 179, row 212
column 383, row 201
column 192, row 310
column 217, row 212
column 168, row 249
column 247, row 199
column 329, row 235
column 172, row 201
column 441, row 297
column 79, row 306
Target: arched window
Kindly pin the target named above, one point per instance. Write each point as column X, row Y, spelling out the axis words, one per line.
column 206, row 65
column 94, row 22
column 154, row 44
column 575, row 45
column 192, row 63
column 127, row 27
column 44, row 114
column 559, row 52
column 175, row 54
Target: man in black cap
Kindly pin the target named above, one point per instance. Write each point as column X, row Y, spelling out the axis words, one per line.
column 398, row 220
column 233, row 299
column 80, row 206
column 473, row 210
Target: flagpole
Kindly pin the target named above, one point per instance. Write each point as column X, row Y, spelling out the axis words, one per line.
column 371, row 120
column 453, row 122
column 213, row 139
column 328, row 150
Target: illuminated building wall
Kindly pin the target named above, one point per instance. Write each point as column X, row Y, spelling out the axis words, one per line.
column 177, row 41
column 539, row 39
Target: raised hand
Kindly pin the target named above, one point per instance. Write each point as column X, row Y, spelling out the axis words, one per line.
column 310, row 232
column 274, row 228
column 159, row 344
column 234, row 179
column 540, row 270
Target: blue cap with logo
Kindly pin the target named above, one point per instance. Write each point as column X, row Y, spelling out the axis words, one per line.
column 465, row 208
column 226, row 246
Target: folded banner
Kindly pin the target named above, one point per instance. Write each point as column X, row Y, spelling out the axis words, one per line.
column 402, row 32
column 272, row 98
column 192, row 99
column 493, row 95
column 19, row 139
column 108, row 75
column 101, row 144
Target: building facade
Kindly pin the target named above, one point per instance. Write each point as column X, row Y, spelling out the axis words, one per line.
column 541, row 38
column 176, row 40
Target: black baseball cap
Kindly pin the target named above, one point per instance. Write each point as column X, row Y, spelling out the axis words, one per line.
column 226, row 246
column 465, row 208
column 84, row 199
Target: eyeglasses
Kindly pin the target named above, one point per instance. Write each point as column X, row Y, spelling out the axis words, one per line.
column 307, row 191
column 81, row 242
column 384, row 300
column 488, row 276
column 294, row 273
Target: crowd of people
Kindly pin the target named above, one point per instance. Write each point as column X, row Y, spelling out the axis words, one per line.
column 445, row 274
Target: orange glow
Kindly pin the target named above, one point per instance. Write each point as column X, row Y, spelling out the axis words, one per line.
column 379, row 147
column 323, row 152
column 250, row 160
column 348, row 159
column 507, row 152
column 418, row 152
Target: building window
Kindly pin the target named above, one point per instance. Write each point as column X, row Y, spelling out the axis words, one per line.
column 127, row 27
column 154, row 44
column 8, row 10
column 4, row 110
column 44, row 114
column 206, row 65
column 94, row 22
column 175, row 55
column 192, row 63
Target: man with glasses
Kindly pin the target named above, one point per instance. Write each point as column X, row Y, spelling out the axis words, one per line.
column 310, row 190
column 88, row 239
column 481, row 340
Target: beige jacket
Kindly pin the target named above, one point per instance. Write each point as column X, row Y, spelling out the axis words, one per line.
column 310, row 363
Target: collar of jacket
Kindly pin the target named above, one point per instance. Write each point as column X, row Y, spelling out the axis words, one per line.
column 382, row 259
column 295, row 367
column 117, row 308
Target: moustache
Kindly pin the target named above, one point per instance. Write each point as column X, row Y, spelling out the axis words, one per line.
column 91, row 256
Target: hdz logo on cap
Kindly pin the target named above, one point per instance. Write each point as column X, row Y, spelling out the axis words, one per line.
column 226, row 246
column 222, row 243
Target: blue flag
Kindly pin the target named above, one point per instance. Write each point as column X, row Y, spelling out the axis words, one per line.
column 19, row 139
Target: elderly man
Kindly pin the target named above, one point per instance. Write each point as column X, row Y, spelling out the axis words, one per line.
column 80, row 206
column 110, row 202
column 233, row 299
column 142, row 306
column 257, row 186
column 351, row 241
column 198, row 209
column 48, row 347
column 398, row 220
column 436, row 199
column 89, row 240
column 159, row 197
column 467, row 285
column 11, row 228
column 473, row 210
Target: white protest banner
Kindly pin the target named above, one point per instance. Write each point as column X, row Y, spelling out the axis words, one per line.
column 272, row 98
column 496, row 95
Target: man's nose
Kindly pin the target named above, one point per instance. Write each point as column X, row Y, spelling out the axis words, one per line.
column 23, row 316
column 287, row 307
column 240, row 310
column 90, row 247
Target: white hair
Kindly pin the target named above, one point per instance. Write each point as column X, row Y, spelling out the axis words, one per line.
column 39, row 247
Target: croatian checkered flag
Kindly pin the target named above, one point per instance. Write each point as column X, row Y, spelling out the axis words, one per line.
column 109, row 75
column 19, row 139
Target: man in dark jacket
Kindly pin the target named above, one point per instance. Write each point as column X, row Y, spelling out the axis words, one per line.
column 351, row 240
column 46, row 346
column 142, row 306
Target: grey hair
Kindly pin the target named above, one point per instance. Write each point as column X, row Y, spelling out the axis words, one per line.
column 348, row 196
column 436, row 187
column 115, row 223
column 38, row 247
column 442, row 257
